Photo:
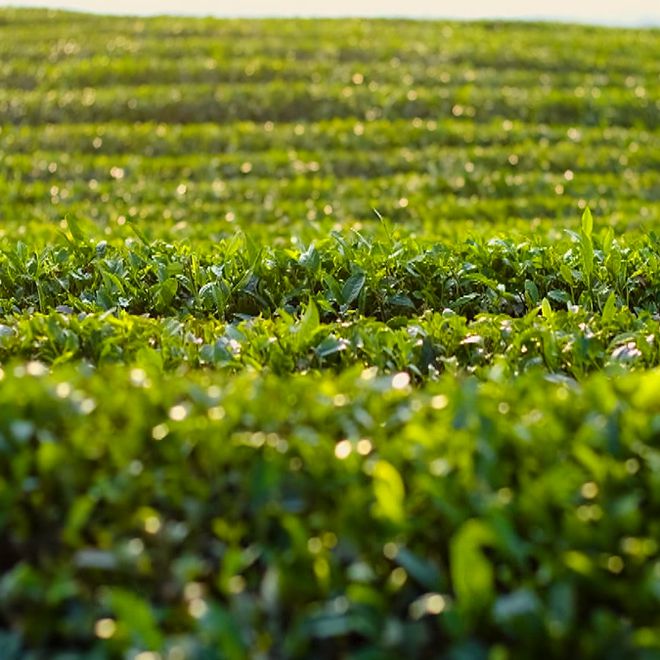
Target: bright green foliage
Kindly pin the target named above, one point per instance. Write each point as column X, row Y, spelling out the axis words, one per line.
column 320, row 507
column 305, row 351
column 471, row 572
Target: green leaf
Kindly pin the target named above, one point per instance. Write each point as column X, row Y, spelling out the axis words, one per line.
column 139, row 233
column 330, row 345
column 385, row 225
column 79, row 514
column 352, row 287
column 587, row 256
column 214, row 294
column 559, row 296
column 546, row 309
column 389, row 492
column 328, row 625
column 308, row 325
column 532, row 292
column 472, row 575
column 76, row 229
column 608, row 241
column 310, row 259
column 587, row 222
column 609, row 308
column 561, row 604
column 587, row 246
column 220, row 626
column 516, row 607
column 137, row 616
column 164, row 293
column 420, row 569
column 401, row 300
column 566, row 274
column 333, row 290
column 216, row 353
column 150, row 358
column 579, row 562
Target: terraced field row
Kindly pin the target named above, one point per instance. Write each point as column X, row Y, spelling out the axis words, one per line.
column 442, row 126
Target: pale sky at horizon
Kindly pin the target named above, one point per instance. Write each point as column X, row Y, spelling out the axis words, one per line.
column 612, row 12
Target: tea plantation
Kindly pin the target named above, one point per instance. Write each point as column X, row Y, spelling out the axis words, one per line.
column 328, row 339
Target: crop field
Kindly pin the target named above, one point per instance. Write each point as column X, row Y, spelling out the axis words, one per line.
column 328, row 339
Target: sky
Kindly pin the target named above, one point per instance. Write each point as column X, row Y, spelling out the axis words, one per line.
column 609, row 12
